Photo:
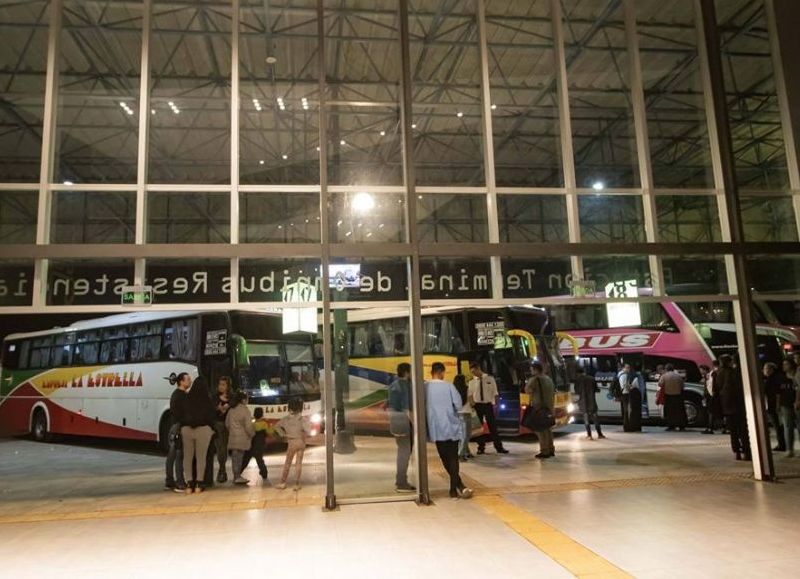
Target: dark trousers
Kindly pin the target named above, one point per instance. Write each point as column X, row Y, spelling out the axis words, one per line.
column 405, row 444
column 588, row 419
column 675, row 411
column 175, row 457
column 740, row 437
column 775, row 421
column 485, row 411
column 632, row 411
column 257, row 454
column 448, row 452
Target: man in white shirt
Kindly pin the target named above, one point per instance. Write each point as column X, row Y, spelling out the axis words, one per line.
column 483, row 397
column 631, row 400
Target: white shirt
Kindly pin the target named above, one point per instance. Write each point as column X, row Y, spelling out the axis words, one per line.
column 623, row 382
column 489, row 389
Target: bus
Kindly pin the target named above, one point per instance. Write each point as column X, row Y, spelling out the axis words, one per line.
column 503, row 340
column 113, row 377
column 685, row 335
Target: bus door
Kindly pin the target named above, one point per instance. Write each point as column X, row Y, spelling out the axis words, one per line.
column 214, row 351
column 604, row 369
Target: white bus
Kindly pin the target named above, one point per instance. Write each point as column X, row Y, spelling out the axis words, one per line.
column 110, row 377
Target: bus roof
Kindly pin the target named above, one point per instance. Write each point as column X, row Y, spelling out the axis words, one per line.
column 106, row 322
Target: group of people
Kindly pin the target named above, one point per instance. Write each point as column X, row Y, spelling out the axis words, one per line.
column 782, row 393
column 203, row 427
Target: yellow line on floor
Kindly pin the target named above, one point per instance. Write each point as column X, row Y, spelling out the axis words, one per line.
column 570, row 554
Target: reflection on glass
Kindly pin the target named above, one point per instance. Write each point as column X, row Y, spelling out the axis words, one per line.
column 611, row 218
column 279, row 218
column 774, row 274
column 694, row 274
column 532, row 218
column 18, row 279
column 687, row 219
column 24, row 29
column 616, row 268
column 98, row 94
column 188, row 217
column 367, row 217
column 674, row 102
column 604, row 136
column 18, row 216
column 190, row 60
column 769, row 219
column 88, row 217
column 524, row 100
column 87, row 281
column 452, row 218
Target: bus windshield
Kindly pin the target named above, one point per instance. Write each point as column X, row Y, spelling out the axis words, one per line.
column 279, row 371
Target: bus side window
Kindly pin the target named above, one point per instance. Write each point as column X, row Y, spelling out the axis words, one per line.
column 180, row 339
column 24, row 353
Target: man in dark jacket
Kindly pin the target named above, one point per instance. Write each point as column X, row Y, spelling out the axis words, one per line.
column 174, row 464
column 586, row 388
column 772, row 386
column 732, row 396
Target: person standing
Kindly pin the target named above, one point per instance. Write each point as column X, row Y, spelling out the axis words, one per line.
column 631, row 399
column 586, row 388
column 731, row 394
column 787, row 396
column 239, row 427
column 542, row 394
column 174, row 464
column 259, row 444
column 295, row 428
column 710, row 399
column 400, row 425
column 483, row 397
column 223, row 401
column 465, row 415
column 196, row 415
column 772, row 386
column 444, row 428
column 674, row 407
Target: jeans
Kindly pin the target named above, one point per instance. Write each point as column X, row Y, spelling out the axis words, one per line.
column 546, row 445
column 588, row 419
column 195, row 447
column 485, row 411
column 175, row 457
column 222, row 445
column 740, row 437
column 404, row 445
column 448, row 453
column 466, row 426
column 257, row 454
column 776, row 422
column 296, row 449
column 237, row 458
column 788, row 422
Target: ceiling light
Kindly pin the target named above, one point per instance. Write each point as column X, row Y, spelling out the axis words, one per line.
column 68, row 183
column 598, row 185
column 284, row 157
column 271, row 60
column 459, row 114
column 261, row 162
column 318, row 149
column 348, row 234
column 342, row 142
column 170, row 103
column 414, row 126
column 152, row 111
column 494, row 107
column 383, row 133
column 363, row 202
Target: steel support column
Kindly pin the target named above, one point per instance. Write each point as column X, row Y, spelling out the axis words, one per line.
column 763, row 467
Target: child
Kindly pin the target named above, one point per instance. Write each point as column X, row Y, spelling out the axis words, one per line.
column 240, row 433
column 259, row 443
column 294, row 428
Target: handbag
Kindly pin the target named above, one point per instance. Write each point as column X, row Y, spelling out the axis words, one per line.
column 660, row 396
column 538, row 419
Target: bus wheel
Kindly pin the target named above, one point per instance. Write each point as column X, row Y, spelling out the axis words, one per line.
column 695, row 416
column 39, row 426
column 163, row 433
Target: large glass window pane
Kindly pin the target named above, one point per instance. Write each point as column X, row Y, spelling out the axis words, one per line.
column 89, row 217
column 687, row 218
column 617, row 268
column 367, row 217
column 279, row 218
column 449, row 218
column 674, row 101
column 190, row 121
column 278, row 114
column 611, row 218
column 16, row 282
column 753, row 108
column 187, row 281
column 98, row 95
column 455, row 278
column 522, row 75
column 770, row 274
column 18, row 216
column 532, row 218
column 73, row 282
column 446, row 80
column 188, row 217
column 694, row 274
column 543, row 277
column 364, row 146
column 769, row 219
column 604, row 136
column 23, row 27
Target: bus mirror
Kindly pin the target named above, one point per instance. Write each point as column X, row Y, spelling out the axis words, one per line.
column 239, row 348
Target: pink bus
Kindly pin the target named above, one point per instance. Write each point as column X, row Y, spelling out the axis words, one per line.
column 686, row 335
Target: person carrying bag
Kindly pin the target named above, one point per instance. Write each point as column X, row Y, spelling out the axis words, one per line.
column 539, row 415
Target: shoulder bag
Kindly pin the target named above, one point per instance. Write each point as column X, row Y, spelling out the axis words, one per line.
column 538, row 419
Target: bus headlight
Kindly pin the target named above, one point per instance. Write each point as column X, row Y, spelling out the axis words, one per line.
column 316, row 418
column 571, row 408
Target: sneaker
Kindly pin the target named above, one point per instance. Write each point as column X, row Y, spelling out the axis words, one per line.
column 453, row 494
column 297, row 486
column 179, row 488
column 589, row 437
column 222, row 476
column 601, row 436
column 240, row 480
column 465, row 493
column 541, row 455
column 170, row 486
column 481, row 451
column 280, row 485
column 406, row 488
column 502, row 451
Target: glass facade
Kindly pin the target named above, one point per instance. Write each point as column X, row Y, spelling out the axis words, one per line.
column 536, row 144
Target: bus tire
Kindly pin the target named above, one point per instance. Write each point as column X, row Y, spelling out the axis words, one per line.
column 163, row 432
column 695, row 413
column 39, row 427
